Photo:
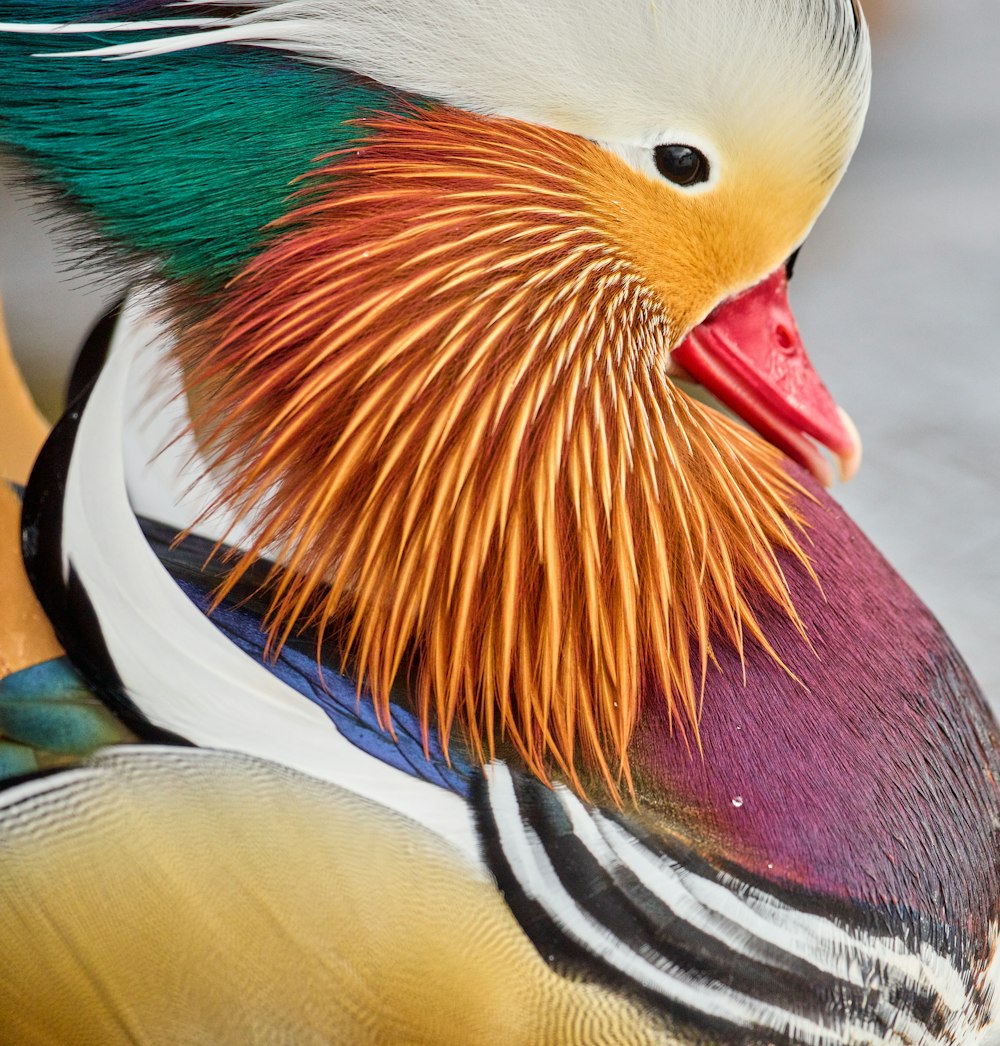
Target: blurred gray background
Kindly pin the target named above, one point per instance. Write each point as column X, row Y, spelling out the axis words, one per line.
column 897, row 294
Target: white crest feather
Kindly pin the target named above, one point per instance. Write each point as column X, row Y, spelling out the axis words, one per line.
column 789, row 73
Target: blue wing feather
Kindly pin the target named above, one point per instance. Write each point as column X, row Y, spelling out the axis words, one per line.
column 240, row 618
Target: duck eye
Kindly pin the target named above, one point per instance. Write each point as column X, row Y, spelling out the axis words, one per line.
column 681, row 164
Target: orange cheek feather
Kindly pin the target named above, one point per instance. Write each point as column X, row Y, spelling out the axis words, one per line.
column 440, row 398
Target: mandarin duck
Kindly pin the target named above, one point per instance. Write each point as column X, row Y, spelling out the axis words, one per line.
column 460, row 643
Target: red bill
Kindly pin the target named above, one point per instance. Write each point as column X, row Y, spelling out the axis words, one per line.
column 749, row 355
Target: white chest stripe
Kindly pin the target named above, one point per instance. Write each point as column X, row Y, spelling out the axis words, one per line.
column 762, row 918
column 182, row 673
column 742, row 918
column 541, row 883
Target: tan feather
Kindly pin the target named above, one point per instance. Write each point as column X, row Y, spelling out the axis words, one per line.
column 177, row 931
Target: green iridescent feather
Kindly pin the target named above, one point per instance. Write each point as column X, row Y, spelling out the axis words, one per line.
column 185, row 158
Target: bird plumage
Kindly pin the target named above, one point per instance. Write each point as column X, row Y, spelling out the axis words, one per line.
column 816, row 915
column 643, row 289
column 416, row 276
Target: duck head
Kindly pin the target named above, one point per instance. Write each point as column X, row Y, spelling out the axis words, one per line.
column 431, row 291
column 439, row 377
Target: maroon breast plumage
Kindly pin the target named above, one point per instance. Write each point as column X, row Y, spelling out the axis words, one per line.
column 865, row 772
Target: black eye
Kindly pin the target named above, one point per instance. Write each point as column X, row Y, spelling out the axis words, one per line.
column 681, row 164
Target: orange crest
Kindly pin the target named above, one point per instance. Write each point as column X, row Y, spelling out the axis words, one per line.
column 439, row 398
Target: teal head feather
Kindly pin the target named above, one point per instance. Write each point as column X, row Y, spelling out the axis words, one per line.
column 186, row 162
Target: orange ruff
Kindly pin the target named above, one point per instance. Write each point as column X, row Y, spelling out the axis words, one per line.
column 439, row 398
